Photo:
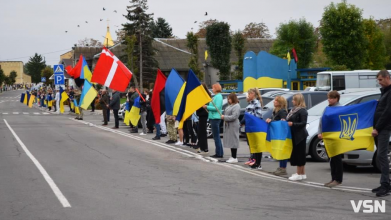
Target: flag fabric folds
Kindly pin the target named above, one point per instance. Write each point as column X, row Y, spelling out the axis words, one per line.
column 25, row 99
column 85, row 71
column 256, row 131
column 295, row 55
column 76, row 71
column 173, row 86
column 111, row 72
column 288, row 56
column 31, row 101
column 77, row 111
column 22, row 97
column 347, row 128
column 63, row 97
column 88, row 95
column 127, row 110
column 279, row 140
column 134, row 114
column 158, row 102
column 206, row 54
column 194, row 97
column 72, row 105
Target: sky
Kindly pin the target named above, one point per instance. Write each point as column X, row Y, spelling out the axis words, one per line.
column 38, row 26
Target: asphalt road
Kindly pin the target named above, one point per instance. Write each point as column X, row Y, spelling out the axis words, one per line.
column 53, row 167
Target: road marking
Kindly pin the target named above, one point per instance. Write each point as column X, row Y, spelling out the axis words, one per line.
column 26, row 113
column 231, row 166
column 45, row 113
column 36, row 113
column 15, row 113
column 5, row 113
column 48, row 179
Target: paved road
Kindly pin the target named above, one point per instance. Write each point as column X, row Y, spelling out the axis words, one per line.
column 53, row 167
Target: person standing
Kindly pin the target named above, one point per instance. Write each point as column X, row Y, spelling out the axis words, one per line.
column 143, row 112
column 231, row 127
column 336, row 165
column 50, row 100
column 214, row 108
column 77, row 96
column 71, row 97
column 104, row 100
column 202, row 144
column 297, row 120
column 172, row 131
column 279, row 113
column 115, row 105
column 382, row 132
column 57, row 99
column 131, row 96
column 150, row 116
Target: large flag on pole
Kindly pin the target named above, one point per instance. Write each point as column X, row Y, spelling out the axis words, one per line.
column 347, row 128
column 76, row 71
column 85, row 71
column 173, row 86
column 288, row 56
column 158, row 102
column 134, row 114
column 88, row 95
column 111, row 72
column 194, row 97
column 295, row 55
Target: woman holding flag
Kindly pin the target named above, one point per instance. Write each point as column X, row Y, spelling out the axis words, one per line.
column 297, row 120
column 279, row 113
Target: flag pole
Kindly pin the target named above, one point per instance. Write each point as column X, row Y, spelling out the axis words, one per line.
column 216, row 108
column 140, row 95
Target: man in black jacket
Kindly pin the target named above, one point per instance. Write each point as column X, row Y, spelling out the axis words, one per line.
column 104, row 102
column 115, row 105
column 382, row 132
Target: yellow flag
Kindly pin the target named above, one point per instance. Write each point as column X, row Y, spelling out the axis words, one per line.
column 288, row 56
column 50, row 103
column 72, row 105
column 31, row 101
column 64, row 97
column 77, row 110
column 206, row 54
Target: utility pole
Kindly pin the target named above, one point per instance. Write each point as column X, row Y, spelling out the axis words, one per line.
column 141, row 64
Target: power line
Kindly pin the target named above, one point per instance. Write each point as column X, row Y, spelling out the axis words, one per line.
column 40, row 54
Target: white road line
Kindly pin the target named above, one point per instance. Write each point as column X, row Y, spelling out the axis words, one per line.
column 26, row 113
column 36, row 113
column 5, row 113
column 45, row 113
column 15, row 113
column 231, row 166
column 48, row 179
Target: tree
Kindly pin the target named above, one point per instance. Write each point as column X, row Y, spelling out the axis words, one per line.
column 202, row 27
column 89, row 42
column 161, row 29
column 47, row 72
column 192, row 44
column 132, row 59
column 298, row 35
column 385, row 26
column 256, row 30
column 238, row 42
column 139, row 24
column 343, row 37
column 376, row 50
column 12, row 77
column 219, row 42
column 120, row 36
column 34, row 67
column 2, row 77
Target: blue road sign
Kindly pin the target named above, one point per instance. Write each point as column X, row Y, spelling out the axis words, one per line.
column 58, row 69
column 59, row 79
column 43, row 79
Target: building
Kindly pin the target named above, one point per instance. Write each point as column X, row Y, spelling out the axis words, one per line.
column 17, row 66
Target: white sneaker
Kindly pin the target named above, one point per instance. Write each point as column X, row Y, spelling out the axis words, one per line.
column 232, row 160
column 143, row 133
column 303, row 176
column 295, row 177
column 179, row 143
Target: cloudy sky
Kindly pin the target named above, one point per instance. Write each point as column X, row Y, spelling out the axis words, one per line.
column 38, row 26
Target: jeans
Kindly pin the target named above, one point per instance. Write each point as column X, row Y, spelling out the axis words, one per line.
column 215, row 123
column 115, row 112
column 382, row 141
column 157, row 126
column 144, row 121
column 283, row 163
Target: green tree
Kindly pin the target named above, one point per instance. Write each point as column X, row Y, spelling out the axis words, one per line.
column 238, row 42
column 385, row 26
column 376, row 49
column 34, row 67
column 202, row 27
column 298, row 35
column 192, row 44
column 2, row 77
column 12, row 77
column 132, row 59
column 47, row 72
column 219, row 42
column 256, row 30
column 138, row 23
column 161, row 29
column 343, row 36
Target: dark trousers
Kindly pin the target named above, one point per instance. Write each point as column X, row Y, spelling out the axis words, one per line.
column 115, row 112
column 258, row 158
column 202, row 138
column 382, row 142
column 104, row 112
column 93, row 105
column 108, row 114
column 233, row 152
column 336, row 168
column 188, row 131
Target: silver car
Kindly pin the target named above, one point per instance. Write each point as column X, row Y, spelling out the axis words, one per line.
column 314, row 146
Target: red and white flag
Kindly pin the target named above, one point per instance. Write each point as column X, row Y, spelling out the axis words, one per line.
column 111, row 72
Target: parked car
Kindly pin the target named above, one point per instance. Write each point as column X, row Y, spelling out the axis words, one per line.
column 310, row 89
column 273, row 94
column 314, row 146
column 121, row 112
column 265, row 90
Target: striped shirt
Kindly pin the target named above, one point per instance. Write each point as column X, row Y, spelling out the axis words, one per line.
column 254, row 108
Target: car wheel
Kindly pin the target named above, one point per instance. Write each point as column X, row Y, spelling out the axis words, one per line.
column 318, row 151
column 209, row 133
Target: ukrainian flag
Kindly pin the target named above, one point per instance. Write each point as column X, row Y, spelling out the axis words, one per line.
column 76, row 107
column 279, row 140
column 347, row 128
column 85, row 71
column 194, row 97
column 25, row 98
column 63, row 97
column 31, row 101
column 22, row 97
column 173, row 97
column 126, row 117
column 256, row 131
column 134, row 114
column 88, row 95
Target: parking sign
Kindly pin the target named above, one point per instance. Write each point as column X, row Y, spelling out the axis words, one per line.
column 59, row 79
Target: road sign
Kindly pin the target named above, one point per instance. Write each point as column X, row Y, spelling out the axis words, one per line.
column 43, row 79
column 59, row 79
column 58, row 69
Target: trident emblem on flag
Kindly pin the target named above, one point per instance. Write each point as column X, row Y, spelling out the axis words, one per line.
column 348, row 126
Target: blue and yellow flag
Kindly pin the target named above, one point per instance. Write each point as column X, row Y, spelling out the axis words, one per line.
column 347, row 128
column 256, row 131
column 25, row 99
column 279, row 140
column 63, row 97
column 77, row 111
column 173, row 86
column 127, row 111
column 134, row 114
column 88, row 95
column 22, row 97
column 31, row 101
column 194, row 97
column 85, row 71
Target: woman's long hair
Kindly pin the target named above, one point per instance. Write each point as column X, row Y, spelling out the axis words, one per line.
column 283, row 104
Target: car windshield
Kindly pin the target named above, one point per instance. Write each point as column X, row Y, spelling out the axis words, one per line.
column 323, row 82
column 318, row 109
